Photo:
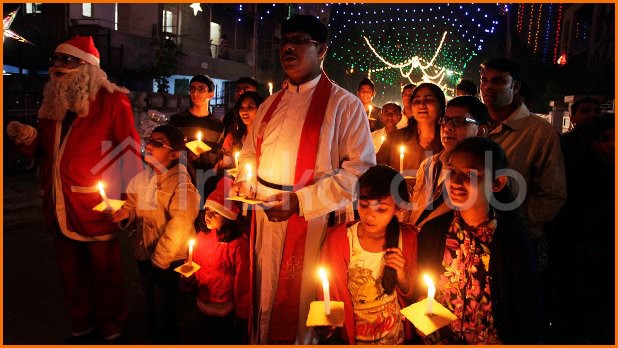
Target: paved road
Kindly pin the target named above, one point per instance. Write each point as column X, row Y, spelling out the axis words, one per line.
column 34, row 312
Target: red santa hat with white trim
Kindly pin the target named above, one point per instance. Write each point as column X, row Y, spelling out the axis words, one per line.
column 217, row 200
column 81, row 47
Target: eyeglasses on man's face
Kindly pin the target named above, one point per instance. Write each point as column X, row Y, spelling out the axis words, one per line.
column 157, row 143
column 458, row 121
column 200, row 89
column 65, row 59
column 295, row 41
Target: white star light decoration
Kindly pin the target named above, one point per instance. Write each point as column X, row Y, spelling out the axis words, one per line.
column 416, row 62
column 6, row 23
column 196, row 8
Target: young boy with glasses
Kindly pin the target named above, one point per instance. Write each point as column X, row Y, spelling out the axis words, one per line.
column 163, row 204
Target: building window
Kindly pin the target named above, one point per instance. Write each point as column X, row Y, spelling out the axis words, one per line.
column 87, row 10
column 34, row 7
column 169, row 22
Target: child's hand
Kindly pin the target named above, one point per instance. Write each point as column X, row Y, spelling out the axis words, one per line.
column 120, row 215
column 324, row 332
column 187, row 284
column 394, row 259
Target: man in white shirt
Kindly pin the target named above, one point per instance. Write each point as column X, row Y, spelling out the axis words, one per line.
column 311, row 143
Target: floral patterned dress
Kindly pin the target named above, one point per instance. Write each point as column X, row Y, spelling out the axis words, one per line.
column 464, row 288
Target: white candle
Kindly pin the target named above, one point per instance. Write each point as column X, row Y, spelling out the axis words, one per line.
column 326, row 290
column 431, row 292
column 270, row 88
column 401, row 150
column 104, row 196
column 236, row 159
column 199, row 137
column 191, row 242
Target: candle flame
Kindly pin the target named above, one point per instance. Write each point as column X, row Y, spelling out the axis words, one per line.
column 199, row 136
column 322, row 273
column 383, row 138
column 428, row 280
column 191, row 242
column 100, row 185
column 402, row 149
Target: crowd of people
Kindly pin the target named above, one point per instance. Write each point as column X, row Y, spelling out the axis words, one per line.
column 511, row 219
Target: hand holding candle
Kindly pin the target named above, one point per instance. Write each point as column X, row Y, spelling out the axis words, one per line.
column 326, row 290
column 104, row 196
column 431, row 292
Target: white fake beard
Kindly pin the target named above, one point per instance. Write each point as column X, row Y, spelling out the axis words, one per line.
column 68, row 92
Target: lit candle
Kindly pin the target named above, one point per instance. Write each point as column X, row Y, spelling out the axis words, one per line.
column 370, row 109
column 104, row 196
column 191, row 242
column 199, row 137
column 431, row 292
column 270, row 88
column 326, row 290
column 383, row 138
column 401, row 150
column 236, row 159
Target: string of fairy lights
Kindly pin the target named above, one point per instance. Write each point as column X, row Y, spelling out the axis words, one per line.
column 414, row 42
column 422, row 42
column 414, row 63
column 532, row 19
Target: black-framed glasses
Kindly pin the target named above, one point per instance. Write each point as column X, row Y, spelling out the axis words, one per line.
column 296, row 41
column 200, row 89
column 157, row 143
column 65, row 60
column 458, row 121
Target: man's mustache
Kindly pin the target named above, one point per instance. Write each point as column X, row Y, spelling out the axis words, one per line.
column 56, row 71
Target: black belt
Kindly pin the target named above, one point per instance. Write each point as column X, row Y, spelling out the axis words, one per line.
column 288, row 188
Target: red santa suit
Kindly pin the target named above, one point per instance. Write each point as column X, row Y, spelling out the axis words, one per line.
column 101, row 146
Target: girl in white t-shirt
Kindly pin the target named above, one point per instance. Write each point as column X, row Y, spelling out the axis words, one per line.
column 372, row 262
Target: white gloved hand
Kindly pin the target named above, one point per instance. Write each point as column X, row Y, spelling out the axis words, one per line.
column 21, row 133
column 98, row 79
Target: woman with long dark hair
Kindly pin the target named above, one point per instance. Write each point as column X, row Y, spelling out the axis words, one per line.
column 479, row 255
column 244, row 113
column 421, row 138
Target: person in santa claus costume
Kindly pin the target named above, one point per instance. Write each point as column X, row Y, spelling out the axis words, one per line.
column 85, row 134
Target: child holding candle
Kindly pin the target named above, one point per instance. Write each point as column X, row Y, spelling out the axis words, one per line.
column 222, row 282
column 163, row 204
column 478, row 254
column 373, row 262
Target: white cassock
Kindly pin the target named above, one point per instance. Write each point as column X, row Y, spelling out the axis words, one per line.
column 345, row 151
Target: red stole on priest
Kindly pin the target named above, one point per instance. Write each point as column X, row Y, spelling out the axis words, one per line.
column 284, row 318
